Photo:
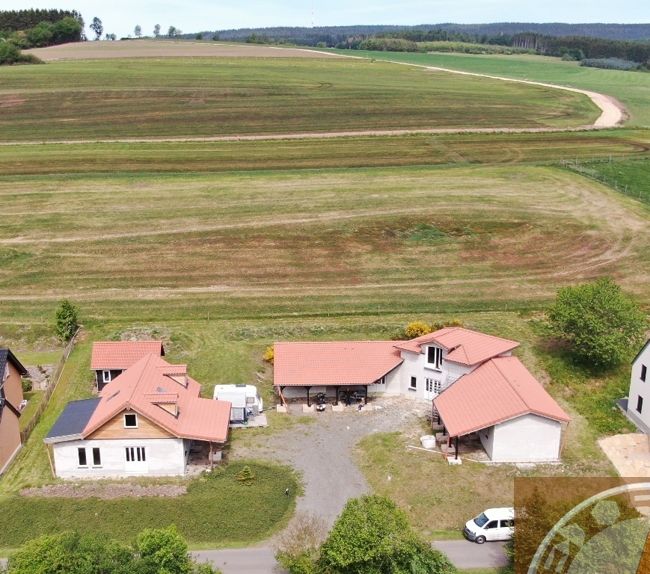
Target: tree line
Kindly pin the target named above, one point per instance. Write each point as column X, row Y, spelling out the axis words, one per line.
column 14, row 20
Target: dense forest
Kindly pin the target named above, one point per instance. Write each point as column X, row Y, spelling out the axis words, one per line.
column 332, row 35
column 15, row 20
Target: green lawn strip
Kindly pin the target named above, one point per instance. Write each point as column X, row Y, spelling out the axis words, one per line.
column 34, row 400
column 631, row 88
column 627, row 176
column 218, row 510
column 360, row 151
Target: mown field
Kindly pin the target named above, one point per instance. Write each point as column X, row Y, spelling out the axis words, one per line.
column 323, row 242
column 631, row 88
column 350, row 152
column 225, row 96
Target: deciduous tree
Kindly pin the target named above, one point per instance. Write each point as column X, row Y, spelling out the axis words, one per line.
column 137, row 30
column 601, row 325
column 97, row 27
column 67, row 320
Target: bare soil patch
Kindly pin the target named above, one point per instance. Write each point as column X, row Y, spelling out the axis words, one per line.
column 167, row 49
column 105, row 491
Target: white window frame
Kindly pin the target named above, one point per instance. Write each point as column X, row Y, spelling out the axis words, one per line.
column 413, row 385
column 79, row 465
column 106, row 376
column 135, row 454
column 437, row 358
column 137, row 423
column 99, row 453
column 644, row 373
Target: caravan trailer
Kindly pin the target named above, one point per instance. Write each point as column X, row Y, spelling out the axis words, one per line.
column 245, row 401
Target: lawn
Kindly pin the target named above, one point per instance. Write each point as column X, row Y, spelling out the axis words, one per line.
column 217, row 510
column 210, row 97
column 631, row 88
column 350, row 152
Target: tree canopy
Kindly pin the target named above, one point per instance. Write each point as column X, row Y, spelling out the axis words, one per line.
column 601, row 325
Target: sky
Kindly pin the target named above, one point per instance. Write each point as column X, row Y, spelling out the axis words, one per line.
column 121, row 16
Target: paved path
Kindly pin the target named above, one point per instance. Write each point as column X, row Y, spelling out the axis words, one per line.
column 462, row 553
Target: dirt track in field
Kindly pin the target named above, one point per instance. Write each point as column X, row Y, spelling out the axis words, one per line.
column 167, row 49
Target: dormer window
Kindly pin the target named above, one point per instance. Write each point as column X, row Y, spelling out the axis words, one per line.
column 434, row 357
column 130, row 421
column 106, row 376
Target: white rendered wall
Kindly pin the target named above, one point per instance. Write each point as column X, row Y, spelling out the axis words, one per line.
column 165, row 457
column 528, row 438
column 638, row 388
column 487, row 440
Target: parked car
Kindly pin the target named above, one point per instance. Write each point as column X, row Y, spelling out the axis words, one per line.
column 491, row 524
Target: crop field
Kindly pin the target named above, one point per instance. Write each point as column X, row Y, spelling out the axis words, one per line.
column 225, row 96
column 631, row 88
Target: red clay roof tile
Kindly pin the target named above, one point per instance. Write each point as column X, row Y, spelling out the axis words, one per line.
column 120, row 355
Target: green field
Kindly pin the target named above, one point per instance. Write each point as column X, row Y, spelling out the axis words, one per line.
column 631, row 88
column 211, row 97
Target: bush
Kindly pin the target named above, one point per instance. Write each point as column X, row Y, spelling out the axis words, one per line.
column 610, row 64
column 416, row 329
column 601, row 325
column 27, row 385
column 269, row 355
column 372, row 536
column 11, row 54
column 67, row 320
column 298, row 547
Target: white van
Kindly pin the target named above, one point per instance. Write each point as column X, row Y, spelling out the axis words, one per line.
column 491, row 524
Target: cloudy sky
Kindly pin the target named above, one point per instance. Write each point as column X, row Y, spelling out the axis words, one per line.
column 121, row 16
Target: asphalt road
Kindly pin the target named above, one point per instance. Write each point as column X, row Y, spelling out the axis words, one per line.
column 463, row 554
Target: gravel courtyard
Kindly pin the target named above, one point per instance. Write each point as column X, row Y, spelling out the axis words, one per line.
column 323, row 451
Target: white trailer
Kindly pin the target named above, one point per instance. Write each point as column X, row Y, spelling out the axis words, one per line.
column 245, row 401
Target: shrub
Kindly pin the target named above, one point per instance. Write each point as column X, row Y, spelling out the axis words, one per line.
column 67, row 320
column 373, row 535
column 600, row 324
column 245, row 476
column 610, row 64
column 298, row 547
column 27, row 385
column 11, row 54
column 269, row 355
column 416, row 329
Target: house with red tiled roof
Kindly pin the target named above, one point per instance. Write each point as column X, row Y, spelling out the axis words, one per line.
column 145, row 422
column 477, row 387
column 109, row 359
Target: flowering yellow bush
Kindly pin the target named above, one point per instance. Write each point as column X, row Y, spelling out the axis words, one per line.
column 268, row 355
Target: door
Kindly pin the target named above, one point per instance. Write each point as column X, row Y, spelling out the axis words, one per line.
column 136, row 460
column 491, row 530
column 431, row 388
column 506, row 529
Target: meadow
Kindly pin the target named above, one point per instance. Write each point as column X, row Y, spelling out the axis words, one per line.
column 225, row 96
column 631, row 88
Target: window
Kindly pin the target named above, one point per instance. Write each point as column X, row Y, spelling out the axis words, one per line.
column 131, row 421
column 106, row 376
column 97, row 457
column 434, row 357
column 434, row 386
column 493, row 524
column 644, row 372
column 414, row 383
column 639, row 404
column 81, row 455
column 507, row 523
column 135, row 454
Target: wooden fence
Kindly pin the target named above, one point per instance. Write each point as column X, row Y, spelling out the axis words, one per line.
column 54, row 381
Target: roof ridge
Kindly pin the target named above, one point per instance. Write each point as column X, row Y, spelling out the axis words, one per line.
column 507, row 380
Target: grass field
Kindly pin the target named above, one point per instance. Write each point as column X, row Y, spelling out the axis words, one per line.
column 269, row 244
column 352, row 152
column 631, row 88
column 210, row 97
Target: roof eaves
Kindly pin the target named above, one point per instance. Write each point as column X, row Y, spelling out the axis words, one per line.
column 641, row 351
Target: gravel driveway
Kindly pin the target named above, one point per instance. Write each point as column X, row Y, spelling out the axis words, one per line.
column 323, row 451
